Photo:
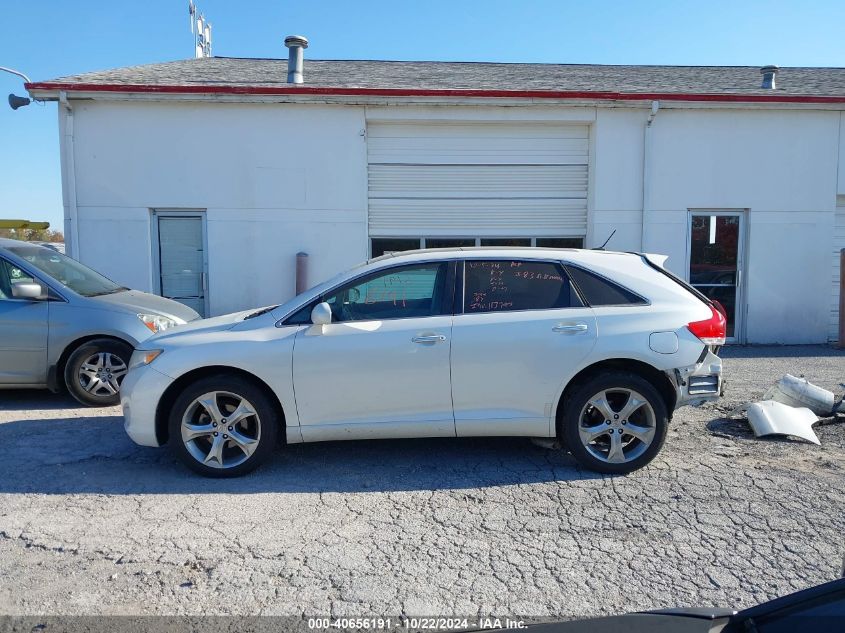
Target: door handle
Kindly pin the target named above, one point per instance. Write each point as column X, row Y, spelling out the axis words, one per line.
column 428, row 338
column 571, row 328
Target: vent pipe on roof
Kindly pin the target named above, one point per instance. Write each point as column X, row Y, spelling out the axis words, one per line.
column 769, row 73
column 297, row 44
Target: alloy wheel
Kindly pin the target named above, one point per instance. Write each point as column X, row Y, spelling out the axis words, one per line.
column 617, row 425
column 101, row 374
column 221, row 429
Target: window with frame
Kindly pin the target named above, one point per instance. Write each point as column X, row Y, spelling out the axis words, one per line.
column 401, row 292
column 10, row 275
column 383, row 245
column 505, row 241
column 598, row 291
column 559, row 242
column 511, row 285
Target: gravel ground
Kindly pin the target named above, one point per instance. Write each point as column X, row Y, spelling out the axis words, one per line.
column 92, row 524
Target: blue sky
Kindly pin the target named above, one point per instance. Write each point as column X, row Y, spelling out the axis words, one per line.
column 46, row 39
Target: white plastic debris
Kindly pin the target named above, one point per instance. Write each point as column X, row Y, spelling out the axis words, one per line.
column 799, row 392
column 770, row 417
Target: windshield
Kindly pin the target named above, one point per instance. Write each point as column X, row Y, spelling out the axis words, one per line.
column 68, row 272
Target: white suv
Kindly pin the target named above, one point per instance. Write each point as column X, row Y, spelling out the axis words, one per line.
column 595, row 348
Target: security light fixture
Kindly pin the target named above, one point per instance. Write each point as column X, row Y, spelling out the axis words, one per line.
column 15, row 101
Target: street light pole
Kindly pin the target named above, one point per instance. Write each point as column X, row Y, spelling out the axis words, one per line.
column 16, row 72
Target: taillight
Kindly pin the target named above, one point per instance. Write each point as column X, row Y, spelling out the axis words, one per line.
column 711, row 331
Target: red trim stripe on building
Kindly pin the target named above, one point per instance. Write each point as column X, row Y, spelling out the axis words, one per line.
column 412, row 92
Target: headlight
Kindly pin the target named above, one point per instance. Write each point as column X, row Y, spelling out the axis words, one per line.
column 143, row 357
column 156, row 322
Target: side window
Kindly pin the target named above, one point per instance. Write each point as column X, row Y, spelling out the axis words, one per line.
column 508, row 285
column 301, row 316
column 9, row 276
column 398, row 293
column 598, row 291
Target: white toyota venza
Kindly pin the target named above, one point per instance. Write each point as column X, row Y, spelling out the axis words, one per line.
column 594, row 348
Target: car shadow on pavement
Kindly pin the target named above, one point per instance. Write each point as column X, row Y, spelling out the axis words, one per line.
column 94, row 455
column 41, row 399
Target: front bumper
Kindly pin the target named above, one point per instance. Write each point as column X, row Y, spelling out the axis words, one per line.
column 698, row 383
column 140, row 394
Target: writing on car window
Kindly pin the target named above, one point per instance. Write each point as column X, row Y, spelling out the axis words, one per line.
column 499, row 285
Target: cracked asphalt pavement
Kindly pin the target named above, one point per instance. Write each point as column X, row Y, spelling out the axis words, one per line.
column 92, row 524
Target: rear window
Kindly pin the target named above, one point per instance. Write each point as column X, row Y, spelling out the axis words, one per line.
column 598, row 291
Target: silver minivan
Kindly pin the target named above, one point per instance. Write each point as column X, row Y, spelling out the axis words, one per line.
column 64, row 325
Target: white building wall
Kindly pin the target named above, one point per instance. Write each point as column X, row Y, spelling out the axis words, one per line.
column 273, row 180
column 780, row 165
column 276, row 179
column 618, row 177
column 840, row 181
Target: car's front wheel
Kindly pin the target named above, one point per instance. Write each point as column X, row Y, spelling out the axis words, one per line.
column 223, row 426
column 94, row 371
column 615, row 422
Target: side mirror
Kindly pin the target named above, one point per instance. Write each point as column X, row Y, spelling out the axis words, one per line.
column 27, row 291
column 321, row 314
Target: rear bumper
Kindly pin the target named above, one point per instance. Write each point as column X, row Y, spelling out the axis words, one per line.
column 701, row 382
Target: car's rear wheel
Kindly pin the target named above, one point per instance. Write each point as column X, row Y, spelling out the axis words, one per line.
column 95, row 370
column 615, row 423
column 223, row 426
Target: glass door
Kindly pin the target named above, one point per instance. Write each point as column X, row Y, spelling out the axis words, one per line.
column 716, row 260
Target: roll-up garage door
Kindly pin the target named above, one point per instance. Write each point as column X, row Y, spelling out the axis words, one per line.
column 838, row 245
column 490, row 179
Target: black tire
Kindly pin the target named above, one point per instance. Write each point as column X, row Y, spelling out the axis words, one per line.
column 591, row 454
column 261, row 427
column 97, row 384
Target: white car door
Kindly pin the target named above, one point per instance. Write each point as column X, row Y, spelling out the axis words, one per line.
column 381, row 368
column 522, row 332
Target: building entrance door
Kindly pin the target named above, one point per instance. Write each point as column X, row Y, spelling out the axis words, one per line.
column 716, row 262
column 180, row 254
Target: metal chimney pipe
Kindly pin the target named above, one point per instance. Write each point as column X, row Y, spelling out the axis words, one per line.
column 769, row 73
column 296, row 45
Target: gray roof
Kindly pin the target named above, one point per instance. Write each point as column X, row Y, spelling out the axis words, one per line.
column 272, row 73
